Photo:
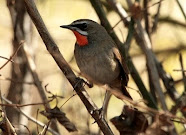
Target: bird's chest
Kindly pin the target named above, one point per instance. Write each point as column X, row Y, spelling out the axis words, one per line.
column 97, row 64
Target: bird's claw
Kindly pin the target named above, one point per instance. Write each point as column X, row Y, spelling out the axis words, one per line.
column 100, row 112
column 90, row 85
column 80, row 80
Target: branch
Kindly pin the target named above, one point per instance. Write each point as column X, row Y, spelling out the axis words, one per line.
column 181, row 8
column 29, row 117
column 147, row 18
column 183, row 73
column 32, row 68
column 156, row 18
column 146, row 47
column 10, row 59
column 63, row 65
column 5, row 124
column 6, row 58
column 172, row 21
column 134, row 73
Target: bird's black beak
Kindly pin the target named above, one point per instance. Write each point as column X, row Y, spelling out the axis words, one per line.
column 67, row 27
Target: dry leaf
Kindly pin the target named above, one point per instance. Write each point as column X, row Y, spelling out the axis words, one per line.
column 56, row 113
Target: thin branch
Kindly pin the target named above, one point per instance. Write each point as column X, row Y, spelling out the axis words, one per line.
column 67, row 100
column 8, row 126
column 32, row 68
column 15, row 81
column 182, row 68
column 172, row 21
column 63, row 65
column 146, row 47
column 20, row 45
column 6, row 58
column 156, row 17
column 166, row 51
column 147, row 17
column 134, row 73
column 168, row 81
column 178, row 70
column 18, row 105
column 30, row 117
column 181, row 8
column 31, row 65
column 149, row 110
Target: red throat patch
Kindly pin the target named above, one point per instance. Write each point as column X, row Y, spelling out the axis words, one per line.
column 81, row 40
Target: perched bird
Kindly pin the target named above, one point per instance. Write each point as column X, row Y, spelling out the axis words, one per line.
column 98, row 57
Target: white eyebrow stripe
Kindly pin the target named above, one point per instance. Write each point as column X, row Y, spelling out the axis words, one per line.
column 82, row 32
column 80, row 22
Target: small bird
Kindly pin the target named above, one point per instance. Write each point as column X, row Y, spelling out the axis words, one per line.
column 98, row 57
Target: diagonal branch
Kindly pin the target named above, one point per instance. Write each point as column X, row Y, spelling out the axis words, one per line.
column 63, row 65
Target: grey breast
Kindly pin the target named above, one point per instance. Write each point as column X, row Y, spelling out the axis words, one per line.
column 96, row 66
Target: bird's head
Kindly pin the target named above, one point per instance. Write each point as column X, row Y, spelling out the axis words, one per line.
column 83, row 29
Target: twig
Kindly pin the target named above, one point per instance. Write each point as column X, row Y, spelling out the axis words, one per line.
column 178, row 70
column 45, row 131
column 134, row 73
column 6, row 58
column 9, row 127
column 171, row 21
column 15, row 81
column 26, row 129
column 145, row 108
column 156, row 3
column 20, row 45
column 63, row 65
column 156, row 17
column 183, row 73
column 18, row 105
column 32, row 67
column 30, row 118
column 36, row 119
column 147, row 18
column 166, row 51
column 181, row 8
column 168, row 81
column 146, row 47
column 67, row 100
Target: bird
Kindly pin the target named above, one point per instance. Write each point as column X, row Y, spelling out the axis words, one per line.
column 98, row 58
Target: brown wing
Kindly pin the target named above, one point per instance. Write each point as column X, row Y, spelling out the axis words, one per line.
column 125, row 71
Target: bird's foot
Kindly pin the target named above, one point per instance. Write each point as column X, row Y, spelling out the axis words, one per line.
column 90, row 85
column 80, row 82
column 101, row 113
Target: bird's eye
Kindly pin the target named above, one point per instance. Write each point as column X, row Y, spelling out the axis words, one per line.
column 84, row 25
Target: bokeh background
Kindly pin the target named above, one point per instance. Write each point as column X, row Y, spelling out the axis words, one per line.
column 168, row 41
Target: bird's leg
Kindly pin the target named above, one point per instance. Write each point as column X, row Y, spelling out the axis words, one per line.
column 103, row 109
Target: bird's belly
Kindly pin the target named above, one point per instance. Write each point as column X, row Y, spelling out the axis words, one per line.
column 98, row 69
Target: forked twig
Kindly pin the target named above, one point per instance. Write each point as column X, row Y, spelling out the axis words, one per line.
column 11, row 57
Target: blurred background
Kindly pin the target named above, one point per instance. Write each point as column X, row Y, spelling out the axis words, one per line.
column 167, row 42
